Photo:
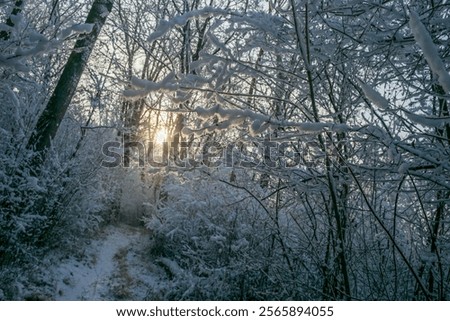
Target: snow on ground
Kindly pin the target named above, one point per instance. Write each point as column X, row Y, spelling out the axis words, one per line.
column 115, row 266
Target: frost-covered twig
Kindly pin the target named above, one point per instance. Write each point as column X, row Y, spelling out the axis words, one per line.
column 430, row 51
column 257, row 123
column 374, row 96
column 36, row 44
column 164, row 26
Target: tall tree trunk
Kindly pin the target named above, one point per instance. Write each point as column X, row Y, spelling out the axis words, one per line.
column 50, row 119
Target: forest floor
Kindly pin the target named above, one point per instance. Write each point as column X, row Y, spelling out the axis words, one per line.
column 114, row 266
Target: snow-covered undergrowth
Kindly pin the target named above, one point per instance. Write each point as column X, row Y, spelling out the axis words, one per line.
column 217, row 242
column 48, row 212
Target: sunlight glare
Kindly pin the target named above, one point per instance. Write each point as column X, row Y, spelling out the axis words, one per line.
column 161, row 136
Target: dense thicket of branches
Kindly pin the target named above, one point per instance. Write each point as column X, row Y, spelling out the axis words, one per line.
column 332, row 117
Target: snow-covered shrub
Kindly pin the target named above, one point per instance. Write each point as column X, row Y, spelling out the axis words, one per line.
column 214, row 241
column 28, row 210
column 28, row 202
column 55, row 210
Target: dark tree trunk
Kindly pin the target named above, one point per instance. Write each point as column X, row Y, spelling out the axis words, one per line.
column 50, row 119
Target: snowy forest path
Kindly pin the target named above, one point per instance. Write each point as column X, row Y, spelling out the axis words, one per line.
column 113, row 267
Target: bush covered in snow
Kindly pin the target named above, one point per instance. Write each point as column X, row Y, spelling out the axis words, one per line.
column 216, row 242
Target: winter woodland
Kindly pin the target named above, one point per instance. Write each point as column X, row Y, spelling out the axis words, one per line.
column 242, row 150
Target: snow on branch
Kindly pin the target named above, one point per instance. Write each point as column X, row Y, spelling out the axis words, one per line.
column 255, row 122
column 142, row 87
column 428, row 121
column 76, row 29
column 164, row 26
column 430, row 51
column 266, row 23
column 374, row 96
column 35, row 43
